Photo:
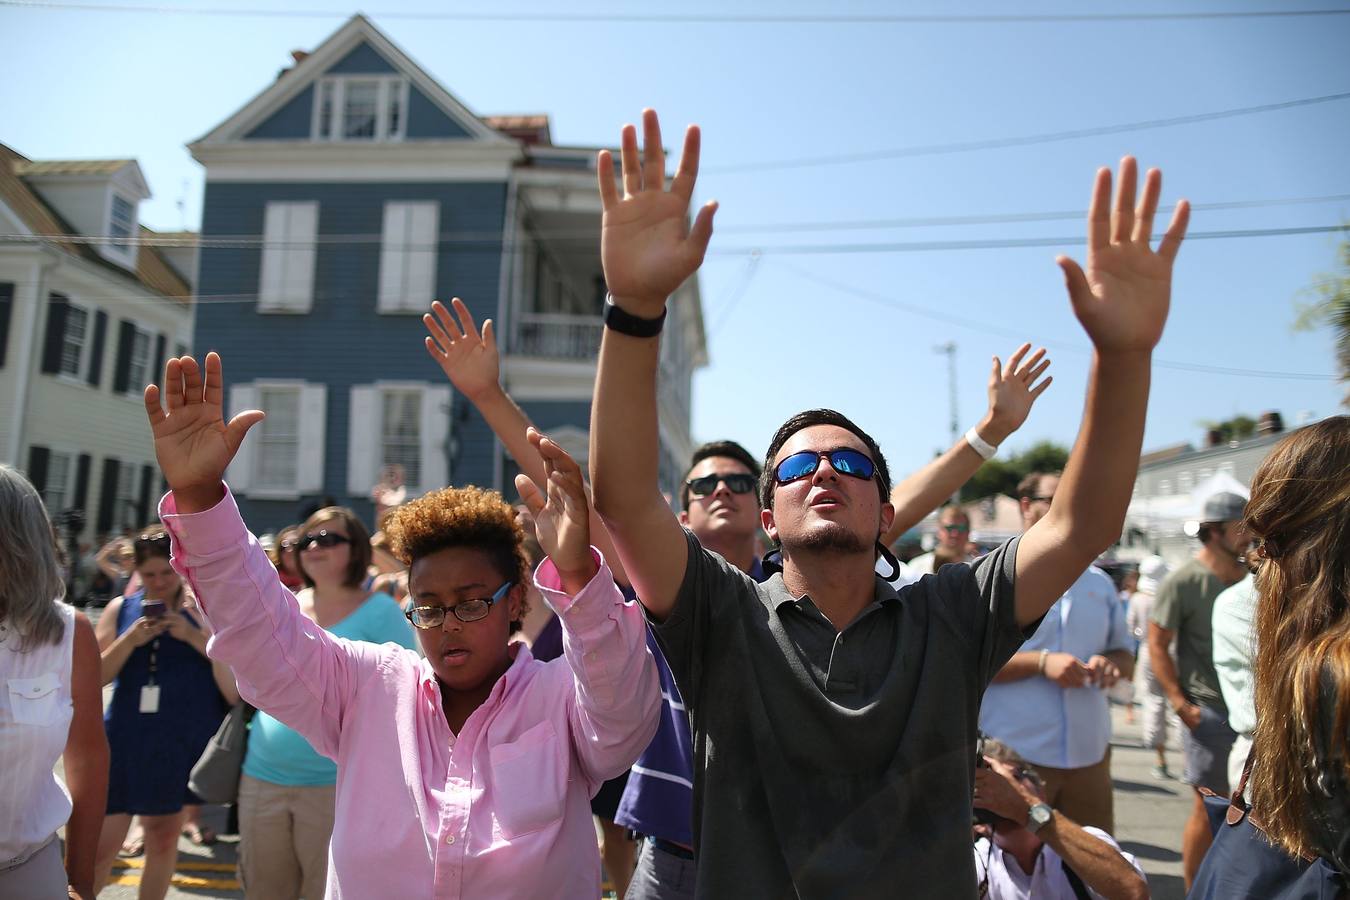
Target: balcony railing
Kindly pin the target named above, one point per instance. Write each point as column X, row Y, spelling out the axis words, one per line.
column 558, row 336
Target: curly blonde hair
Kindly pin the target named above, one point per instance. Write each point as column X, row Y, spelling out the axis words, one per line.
column 471, row 517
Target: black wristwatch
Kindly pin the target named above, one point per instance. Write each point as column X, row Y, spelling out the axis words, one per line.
column 624, row 322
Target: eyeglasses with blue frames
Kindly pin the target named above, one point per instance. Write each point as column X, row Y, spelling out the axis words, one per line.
column 844, row 460
column 470, row 610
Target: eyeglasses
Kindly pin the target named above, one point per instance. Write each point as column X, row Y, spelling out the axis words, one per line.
column 737, row 483
column 324, row 538
column 1041, row 499
column 151, row 539
column 845, row 461
column 470, row 610
column 288, row 545
column 956, row 528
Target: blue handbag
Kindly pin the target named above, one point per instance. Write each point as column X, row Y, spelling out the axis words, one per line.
column 1242, row 863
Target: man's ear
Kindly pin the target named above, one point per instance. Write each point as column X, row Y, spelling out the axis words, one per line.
column 766, row 522
column 887, row 518
column 683, row 516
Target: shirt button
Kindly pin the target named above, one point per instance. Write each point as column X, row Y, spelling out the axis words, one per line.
column 450, row 839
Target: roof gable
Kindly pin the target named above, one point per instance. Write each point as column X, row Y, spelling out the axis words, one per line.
column 358, row 47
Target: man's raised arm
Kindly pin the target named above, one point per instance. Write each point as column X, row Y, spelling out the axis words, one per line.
column 1012, row 392
column 1121, row 302
column 648, row 250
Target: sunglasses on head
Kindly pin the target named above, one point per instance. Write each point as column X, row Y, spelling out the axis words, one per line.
column 323, row 537
column 470, row 610
column 738, row 483
column 152, row 539
column 845, row 461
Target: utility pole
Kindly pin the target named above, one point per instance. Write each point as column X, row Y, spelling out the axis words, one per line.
column 949, row 348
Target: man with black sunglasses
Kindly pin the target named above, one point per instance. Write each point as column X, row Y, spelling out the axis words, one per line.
column 834, row 718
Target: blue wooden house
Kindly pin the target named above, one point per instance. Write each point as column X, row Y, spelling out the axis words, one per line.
column 339, row 202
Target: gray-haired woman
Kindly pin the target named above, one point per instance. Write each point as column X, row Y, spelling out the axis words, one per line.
column 51, row 707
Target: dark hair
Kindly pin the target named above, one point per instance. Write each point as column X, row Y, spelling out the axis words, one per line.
column 151, row 543
column 1030, row 485
column 949, row 508
column 820, row 417
column 716, row 449
column 359, row 560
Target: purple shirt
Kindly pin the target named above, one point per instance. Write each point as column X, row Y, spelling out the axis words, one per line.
column 501, row 809
column 658, row 800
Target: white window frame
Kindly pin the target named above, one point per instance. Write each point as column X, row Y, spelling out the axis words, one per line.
column 409, row 250
column 138, row 370
column 81, row 374
column 128, row 499
column 67, row 489
column 311, row 447
column 365, row 440
column 123, row 246
column 391, row 87
column 289, row 253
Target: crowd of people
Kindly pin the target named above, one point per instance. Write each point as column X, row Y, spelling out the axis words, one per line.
column 445, row 706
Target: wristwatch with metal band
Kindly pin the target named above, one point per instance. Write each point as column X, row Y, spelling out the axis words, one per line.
column 1038, row 817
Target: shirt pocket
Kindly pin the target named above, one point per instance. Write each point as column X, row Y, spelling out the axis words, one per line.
column 36, row 701
column 529, row 785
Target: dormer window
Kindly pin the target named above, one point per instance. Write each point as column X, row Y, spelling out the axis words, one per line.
column 121, row 224
column 361, row 108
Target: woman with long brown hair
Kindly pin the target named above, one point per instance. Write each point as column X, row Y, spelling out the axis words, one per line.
column 1300, row 512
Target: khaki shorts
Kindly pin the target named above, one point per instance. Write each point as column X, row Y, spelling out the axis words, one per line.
column 283, row 838
column 1085, row 795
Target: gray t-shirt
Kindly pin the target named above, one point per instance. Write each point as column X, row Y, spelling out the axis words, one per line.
column 837, row 764
column 1185, row 605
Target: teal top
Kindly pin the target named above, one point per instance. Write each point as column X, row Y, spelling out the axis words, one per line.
column 278, row 754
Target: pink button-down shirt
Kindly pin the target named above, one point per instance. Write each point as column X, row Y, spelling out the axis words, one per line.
column 501, row 809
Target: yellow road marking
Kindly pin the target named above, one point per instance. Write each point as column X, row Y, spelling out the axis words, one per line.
column 185, row 865
column 224, row 884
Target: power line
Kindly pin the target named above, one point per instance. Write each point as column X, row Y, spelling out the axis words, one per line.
column 980, row 326
column 1018, row 141
column 693, row 18
column 497, row 245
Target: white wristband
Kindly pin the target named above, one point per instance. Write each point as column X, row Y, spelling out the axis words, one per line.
column 980, row 445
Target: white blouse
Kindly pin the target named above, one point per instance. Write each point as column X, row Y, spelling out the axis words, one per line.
column 35, row 715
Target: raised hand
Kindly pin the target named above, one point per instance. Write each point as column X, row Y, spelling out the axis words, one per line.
column 1013, row 391
column 1122, row 298
column 193, row 443
column 561, row 513
column 467, row 358
column 647, row 247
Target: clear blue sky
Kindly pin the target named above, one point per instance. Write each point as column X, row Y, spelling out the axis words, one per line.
column 142, row 84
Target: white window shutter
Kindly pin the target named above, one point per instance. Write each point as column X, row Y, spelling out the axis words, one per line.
column 393, row 254
column 271, row 289
column 435, row 437
column 313, row 430
column 239, row 475
column 363, row 440
column 420, row 287
column 302, row 233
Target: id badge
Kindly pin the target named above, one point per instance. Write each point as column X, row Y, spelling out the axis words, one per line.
column 150, row 698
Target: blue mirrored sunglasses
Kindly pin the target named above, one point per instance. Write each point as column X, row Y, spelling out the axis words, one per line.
column 845, row 461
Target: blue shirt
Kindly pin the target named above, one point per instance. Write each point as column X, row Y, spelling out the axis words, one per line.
column 1234, row 613
column 277, row 753
column 1064, row 728
column 658, row 800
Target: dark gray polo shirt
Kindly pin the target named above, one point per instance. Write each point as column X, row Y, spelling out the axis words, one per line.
column 837, row 764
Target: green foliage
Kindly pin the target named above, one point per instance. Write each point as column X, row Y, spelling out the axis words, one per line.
column 1001, row 476
column 1238, row 428
column 1331, row 307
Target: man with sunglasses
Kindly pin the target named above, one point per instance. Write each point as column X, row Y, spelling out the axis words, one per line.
column 1049, row 702
column 834, row 718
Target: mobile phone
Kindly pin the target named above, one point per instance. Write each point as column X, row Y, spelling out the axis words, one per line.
column 153, row 609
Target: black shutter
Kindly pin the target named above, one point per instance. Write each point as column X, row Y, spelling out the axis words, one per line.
column 6, row 306
column 147, row 510
column 96, row 348
column 107, row 496
column 126, row 338
column 56, row 333
column 81, row 498
column 38, row 457
column 157, row 372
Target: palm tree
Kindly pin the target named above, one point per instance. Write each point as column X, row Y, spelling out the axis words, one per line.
column 1332, row 307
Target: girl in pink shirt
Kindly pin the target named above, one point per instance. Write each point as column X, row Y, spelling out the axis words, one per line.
column 465, row 774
